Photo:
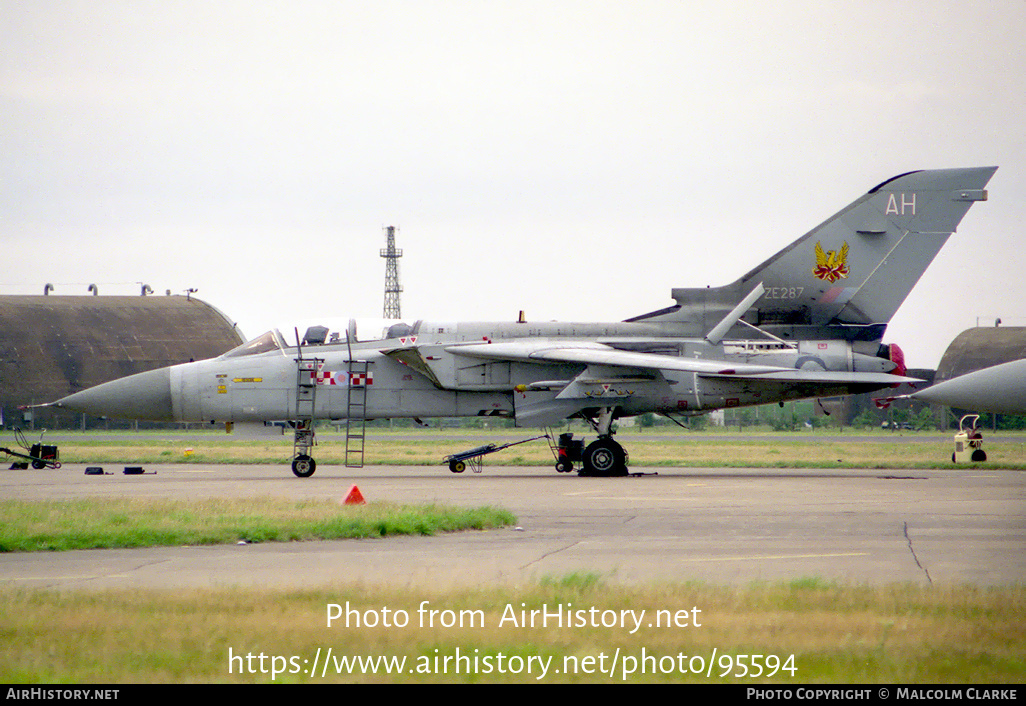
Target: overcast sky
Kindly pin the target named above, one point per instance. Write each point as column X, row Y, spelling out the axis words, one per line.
column 573, row 159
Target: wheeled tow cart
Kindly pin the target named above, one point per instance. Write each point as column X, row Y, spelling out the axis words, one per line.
column 458, row 462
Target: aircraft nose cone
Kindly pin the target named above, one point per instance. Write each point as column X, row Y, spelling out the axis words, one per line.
column 141, row 396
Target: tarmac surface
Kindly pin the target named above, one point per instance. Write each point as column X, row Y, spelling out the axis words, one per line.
column 723, row 526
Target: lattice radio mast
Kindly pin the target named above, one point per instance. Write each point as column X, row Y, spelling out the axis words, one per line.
column 392, row 286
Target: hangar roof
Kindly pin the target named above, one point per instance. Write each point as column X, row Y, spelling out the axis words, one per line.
column 982, row 347
column 52, row 346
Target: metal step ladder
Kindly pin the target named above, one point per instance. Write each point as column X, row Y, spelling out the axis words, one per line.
column 356, row 412
column 306, row 398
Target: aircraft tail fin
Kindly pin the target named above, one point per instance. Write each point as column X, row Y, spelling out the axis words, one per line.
column 853, row 270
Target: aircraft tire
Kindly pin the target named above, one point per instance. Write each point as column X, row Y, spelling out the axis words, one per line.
column 457, row 466
column 303, row 466
column 604, row 458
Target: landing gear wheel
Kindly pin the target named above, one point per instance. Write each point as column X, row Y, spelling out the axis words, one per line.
column 303, row 466
column 457, row 466
column 564, row 466
column 604, row 458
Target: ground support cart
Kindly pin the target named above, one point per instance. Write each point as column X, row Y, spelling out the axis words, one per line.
column 968, row 441
column 458, row 462
column 567, row 451
column 39, row 455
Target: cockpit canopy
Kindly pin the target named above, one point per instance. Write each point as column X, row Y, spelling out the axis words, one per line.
column 319, row 335
column 261, row 344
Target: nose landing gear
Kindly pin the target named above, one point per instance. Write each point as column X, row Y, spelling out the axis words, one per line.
column 303, row 466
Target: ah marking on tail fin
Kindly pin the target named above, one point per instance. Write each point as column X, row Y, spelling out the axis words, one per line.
column 853, row 270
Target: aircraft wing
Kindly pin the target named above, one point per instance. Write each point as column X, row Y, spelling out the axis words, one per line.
column 592, row 353
column 830, row 377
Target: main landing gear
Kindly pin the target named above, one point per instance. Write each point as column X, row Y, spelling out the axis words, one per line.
column 602, row 458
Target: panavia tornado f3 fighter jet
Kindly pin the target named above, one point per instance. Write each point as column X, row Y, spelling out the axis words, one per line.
column 808, row 322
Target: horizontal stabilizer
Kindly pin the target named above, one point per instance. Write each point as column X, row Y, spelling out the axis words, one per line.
column 826, row 377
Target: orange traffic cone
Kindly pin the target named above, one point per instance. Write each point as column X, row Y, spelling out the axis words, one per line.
column 355, row 497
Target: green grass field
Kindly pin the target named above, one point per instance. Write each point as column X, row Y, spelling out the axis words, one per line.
column 120, row 523
column 803, row 632
column 667, row 447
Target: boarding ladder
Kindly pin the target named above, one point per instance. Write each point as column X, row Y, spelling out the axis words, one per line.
column 356, row 412
column 306, row 398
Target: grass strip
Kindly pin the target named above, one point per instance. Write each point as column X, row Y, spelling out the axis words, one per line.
column 838, row 634
column 647, row 449
column 127, row 522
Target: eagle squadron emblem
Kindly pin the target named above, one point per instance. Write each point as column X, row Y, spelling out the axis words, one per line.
column 833, row 265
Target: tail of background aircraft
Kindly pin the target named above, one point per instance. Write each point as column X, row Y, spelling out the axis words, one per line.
column 846, row 277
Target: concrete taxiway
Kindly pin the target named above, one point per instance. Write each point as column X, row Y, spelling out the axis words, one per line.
column 725, row 526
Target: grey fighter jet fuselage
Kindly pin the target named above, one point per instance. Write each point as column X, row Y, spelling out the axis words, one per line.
column 808, row 322
column 999, row 388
